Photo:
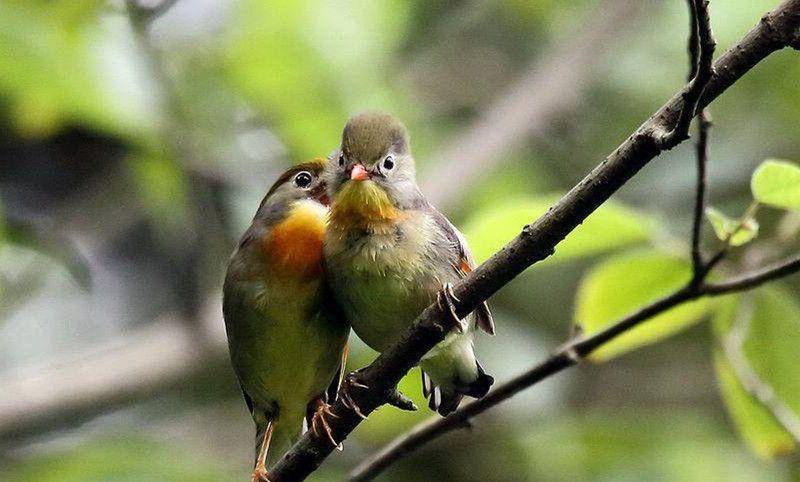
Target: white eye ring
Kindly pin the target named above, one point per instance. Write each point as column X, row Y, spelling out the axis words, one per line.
column 341, row 160
column 303, row 179
column 388, row 163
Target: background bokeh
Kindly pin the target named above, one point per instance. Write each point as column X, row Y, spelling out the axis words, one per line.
column 133, row 153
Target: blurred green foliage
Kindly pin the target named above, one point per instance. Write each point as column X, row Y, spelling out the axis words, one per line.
column 618, row 286
column 298, row 69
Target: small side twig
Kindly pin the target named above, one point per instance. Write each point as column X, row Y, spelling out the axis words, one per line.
column 704, row 71
column 701, row 148
column 569, row 355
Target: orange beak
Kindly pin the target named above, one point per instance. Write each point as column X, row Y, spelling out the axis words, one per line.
column 359, row 173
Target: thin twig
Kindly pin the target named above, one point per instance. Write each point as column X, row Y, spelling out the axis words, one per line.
column 538, row 240
column 705, row 70
column 702, row 144
column 569, row 355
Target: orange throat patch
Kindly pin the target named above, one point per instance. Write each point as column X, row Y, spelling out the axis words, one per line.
column 362, row 204
column 294, row 246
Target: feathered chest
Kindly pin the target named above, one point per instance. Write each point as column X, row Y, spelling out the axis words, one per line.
column 399, row 247
column 293, row 247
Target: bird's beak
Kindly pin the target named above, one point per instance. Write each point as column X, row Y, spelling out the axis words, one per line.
column 359, row 173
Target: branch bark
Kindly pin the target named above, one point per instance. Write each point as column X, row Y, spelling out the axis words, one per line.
column 570, row 355
column 778, row 29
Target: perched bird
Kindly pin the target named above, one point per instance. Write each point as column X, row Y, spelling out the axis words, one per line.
column 287, row 338
column 389, row 253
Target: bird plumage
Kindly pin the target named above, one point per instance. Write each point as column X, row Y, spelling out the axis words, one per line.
column 388, row 252
column 285, row 333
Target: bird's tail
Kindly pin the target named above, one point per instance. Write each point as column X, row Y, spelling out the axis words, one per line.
column 450, row 373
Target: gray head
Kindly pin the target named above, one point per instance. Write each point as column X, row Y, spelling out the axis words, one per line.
column 375, row 148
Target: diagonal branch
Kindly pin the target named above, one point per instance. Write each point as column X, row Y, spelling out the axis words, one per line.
column 537, row 241
column 570, row 355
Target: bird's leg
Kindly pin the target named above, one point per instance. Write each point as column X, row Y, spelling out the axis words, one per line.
column 260, row 470
column 322, row 410
column 444, row 298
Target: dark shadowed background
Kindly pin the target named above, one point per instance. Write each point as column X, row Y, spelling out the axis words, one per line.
column 134, row 151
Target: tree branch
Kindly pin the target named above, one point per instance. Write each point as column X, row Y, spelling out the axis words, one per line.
column 571, row 354
column 537, row 241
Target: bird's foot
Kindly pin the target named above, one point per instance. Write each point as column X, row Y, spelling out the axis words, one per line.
column 349, row 383
column 445, row 299
column 260, row 474
column 321, row 411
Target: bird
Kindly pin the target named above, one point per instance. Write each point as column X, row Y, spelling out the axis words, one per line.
column 389, row 254
column 286, row 336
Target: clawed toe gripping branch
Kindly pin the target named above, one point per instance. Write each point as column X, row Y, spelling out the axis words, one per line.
column 665, row 129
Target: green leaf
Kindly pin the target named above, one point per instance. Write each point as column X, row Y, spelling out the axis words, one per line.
column 734, row 231
column 625, row 283
column 773, row 334
column 777, row 183
column 758, row 427
column 612, row 226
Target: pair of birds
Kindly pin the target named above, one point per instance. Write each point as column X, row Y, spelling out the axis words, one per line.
column 340, row 242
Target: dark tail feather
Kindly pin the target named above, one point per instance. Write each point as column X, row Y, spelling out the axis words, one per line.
column 480, row 386
column 445, row 403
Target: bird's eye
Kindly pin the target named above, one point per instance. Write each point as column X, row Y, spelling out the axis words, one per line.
column 341, row 160
column 388, row 163
column 303, row 179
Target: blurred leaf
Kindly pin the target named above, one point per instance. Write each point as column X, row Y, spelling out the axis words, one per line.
column 163, row 188
column 49, row 71
column 625, row 283
column 777, row 183
column 309, row 65
column 612, row 226
column 738, row 233
column 128, row 460
column 756, row 424
column 773, row 335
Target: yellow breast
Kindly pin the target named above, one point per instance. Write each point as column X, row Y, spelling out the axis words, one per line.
column 362, row 204
column 294, row 246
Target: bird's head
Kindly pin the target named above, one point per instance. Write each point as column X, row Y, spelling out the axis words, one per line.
column 372, row 173
column 298, row 183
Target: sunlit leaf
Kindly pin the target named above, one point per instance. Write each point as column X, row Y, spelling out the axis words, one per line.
column 777, row 183
column 625, row 283
column 49, row 70
column 610, row 227
column 732, row 230
column 756, row 424
column 770, row 348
